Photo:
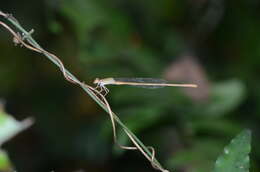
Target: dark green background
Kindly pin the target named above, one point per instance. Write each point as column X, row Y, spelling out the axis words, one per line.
column 214, row 44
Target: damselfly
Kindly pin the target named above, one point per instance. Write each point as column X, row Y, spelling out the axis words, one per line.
column 139, row 82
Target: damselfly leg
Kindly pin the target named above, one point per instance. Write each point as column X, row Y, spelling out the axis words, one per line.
column 101, row 88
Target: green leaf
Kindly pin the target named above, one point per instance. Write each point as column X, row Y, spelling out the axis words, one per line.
column 9, row 127
column 235, row 156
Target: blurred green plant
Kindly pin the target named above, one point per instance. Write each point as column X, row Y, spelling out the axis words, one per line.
column 107, row 39
column 9, row 127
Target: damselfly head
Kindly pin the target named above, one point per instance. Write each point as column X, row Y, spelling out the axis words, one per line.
column 96, row 81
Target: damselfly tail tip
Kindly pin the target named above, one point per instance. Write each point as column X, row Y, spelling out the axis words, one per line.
column 190, row 85
column 194, row 85
column 186, row 85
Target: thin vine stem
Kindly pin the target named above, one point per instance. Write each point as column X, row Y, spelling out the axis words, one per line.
column 25, row 39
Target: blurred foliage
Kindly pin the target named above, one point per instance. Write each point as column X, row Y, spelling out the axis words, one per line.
column 9, row 127
column 225, row 97
column 214, row 44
